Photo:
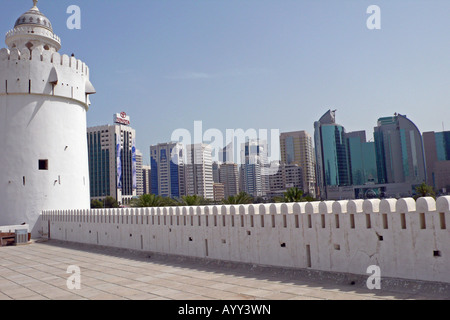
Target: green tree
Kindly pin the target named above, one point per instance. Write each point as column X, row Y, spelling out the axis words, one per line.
column 424, row 190
column 293, row 195
column 147, row 201
column 194, row 200
column 110, row 203
column 169, row 202
column 241, row 198
column 96, row 204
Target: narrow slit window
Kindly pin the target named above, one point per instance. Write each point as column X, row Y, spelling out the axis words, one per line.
column 336, row 218
column 442, row 220
column 352, row 221
column 308, row 256
column 403, row 220
column 423, row 223
column 385, row 221
column 368, row 222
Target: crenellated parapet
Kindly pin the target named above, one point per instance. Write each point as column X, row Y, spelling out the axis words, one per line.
column 404, row 238
column 43, row 72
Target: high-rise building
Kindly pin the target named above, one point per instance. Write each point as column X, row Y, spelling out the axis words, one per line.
column 229, row 177
column 227, row 154
column 44, row 98
column 399, row 151
column 219, row 192
column 437, row 154
column 139, row 174
column 332, row 160
column 146, row 179
column 297, row 148
column 215, row 171
column 168, row 170
column 112, row 161
column 288, row 176
column 199, row 175
column 363, row 163
column 255, row 172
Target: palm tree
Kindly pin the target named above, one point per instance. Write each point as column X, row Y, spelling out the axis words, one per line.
column 293, row 195
column 424, row 190
column 194, row 200
column 146, row 201
column 241, row 198
column 169, row 202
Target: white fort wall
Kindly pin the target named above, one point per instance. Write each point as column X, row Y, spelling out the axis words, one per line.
column 405, row 239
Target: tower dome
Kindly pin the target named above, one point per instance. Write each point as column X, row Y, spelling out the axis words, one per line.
column 33, row 29
column 34, row 17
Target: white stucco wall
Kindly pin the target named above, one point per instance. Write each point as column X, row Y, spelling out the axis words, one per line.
column 42, row 121
column 370, row 232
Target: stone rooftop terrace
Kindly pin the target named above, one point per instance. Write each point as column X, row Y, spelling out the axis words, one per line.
column 38, row 271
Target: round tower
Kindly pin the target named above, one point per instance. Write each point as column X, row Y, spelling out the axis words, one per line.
column 44, row 97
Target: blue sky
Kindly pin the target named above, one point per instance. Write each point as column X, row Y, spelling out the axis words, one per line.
column 261, row 64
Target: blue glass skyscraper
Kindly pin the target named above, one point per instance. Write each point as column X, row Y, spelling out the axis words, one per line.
column 332, row 160
column 167, row 170
column 399, row 151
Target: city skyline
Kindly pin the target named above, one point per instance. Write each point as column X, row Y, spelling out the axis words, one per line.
column 255, row 64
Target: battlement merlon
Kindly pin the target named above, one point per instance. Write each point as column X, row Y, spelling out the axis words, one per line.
column 44, row 72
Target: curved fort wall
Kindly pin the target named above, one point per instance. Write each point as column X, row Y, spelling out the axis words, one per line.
column 44, row 97
column 405, row 238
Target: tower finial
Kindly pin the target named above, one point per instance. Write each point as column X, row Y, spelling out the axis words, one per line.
column 35, row 2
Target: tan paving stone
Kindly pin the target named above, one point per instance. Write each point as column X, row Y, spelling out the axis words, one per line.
column 38, row 272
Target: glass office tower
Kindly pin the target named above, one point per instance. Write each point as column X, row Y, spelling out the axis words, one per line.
column 437, row 153
column 399, row 151
column 332, row 160
column 363, row 162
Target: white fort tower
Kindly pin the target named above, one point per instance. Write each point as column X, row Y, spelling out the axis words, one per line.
column 44, row 97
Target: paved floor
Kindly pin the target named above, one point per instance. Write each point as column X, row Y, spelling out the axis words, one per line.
column 39, row 272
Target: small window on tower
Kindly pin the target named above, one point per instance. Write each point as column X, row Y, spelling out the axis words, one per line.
column 43, row 164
